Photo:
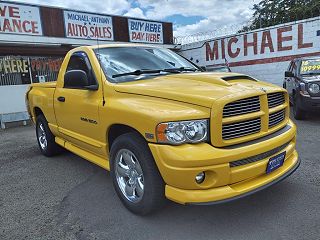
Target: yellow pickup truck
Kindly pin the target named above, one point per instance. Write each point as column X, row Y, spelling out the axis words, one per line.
column 165, row 128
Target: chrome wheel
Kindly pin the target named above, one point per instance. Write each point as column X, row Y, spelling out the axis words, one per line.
column 42, row 137
column 129, row 175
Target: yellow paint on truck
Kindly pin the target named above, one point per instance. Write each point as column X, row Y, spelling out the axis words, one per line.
column 82, row 125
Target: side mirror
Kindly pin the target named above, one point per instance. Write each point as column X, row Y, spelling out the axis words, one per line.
column 76, row 79
column 288, row 74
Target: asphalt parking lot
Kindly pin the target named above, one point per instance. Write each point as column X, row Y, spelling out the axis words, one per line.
column 66, row 197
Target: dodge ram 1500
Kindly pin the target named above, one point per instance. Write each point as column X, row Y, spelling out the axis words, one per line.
column 165, row 128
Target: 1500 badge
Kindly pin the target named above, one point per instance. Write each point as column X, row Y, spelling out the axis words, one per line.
column 89, row 120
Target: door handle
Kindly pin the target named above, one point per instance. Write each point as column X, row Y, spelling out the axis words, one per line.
column 61, row 99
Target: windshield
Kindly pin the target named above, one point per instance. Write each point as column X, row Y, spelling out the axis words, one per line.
column 122, row 64
column 310, row 67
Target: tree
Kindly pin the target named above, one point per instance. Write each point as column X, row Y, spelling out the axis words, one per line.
column 272, row 12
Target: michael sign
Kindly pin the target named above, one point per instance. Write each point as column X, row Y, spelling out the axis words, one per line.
column 263, row 53
column 258, row 43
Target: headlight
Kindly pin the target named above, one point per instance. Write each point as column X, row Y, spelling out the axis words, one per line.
column 314, row 88
column 303, row 89
column 183, row 132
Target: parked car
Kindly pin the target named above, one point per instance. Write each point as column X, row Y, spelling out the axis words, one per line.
column 164, row 128
column 302, row 81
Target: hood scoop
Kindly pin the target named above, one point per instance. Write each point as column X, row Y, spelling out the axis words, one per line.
column 239, row 77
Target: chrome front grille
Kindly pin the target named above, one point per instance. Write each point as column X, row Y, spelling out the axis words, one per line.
column 243, row 106
column 276, row 118
column 275, row 99
column 259, row 156
column 240, row 129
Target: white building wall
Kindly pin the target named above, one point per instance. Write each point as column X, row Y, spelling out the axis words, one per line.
column 270, row 72
column 12, row 99
column 270, row 51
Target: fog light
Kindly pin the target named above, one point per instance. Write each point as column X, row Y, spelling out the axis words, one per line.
column 200, row 177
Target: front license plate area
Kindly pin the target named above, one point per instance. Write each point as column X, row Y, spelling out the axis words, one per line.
column 275, row 162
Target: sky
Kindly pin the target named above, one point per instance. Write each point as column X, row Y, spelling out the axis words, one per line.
column 188, row 16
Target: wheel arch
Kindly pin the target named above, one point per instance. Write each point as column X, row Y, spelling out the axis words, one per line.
column 117, row 130
column 37, row 112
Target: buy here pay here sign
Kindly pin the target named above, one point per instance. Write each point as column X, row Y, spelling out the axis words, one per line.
column 145, row 31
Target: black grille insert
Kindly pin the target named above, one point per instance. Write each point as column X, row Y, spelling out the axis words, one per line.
column 240, row 129
column 275, row 99
column 276, row 118
column 242, row 106
column 258, row 157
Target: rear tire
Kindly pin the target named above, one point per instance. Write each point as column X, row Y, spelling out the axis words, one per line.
column 298, row 113
column 135, row 176
column 45, row 138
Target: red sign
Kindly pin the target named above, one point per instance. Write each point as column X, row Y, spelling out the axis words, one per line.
column 257, row 43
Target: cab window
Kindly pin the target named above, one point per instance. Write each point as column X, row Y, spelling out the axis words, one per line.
column 80, row 61
column 293, row 67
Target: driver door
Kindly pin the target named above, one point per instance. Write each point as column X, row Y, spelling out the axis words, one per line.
column 77, row 110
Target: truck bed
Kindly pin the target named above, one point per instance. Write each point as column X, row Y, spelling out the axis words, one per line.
column 40, row 96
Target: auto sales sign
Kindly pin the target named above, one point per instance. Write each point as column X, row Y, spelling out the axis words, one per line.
column 19, row 19
column 88, row 26
column 145, row 31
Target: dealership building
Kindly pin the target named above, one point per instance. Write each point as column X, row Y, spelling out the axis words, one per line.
column 34, row 40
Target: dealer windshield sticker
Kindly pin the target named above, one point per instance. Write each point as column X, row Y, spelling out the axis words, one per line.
column 309, row 65
column 88, row 26
column 145, row 32
column 19, row 19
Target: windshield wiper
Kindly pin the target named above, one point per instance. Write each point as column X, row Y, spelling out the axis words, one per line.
column 150, row 71
column 137, row 72
column 180, row 69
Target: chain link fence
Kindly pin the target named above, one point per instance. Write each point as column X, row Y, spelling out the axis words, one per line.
column 252, row 24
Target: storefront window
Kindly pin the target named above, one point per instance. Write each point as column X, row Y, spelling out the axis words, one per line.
column 19, row 70
column 45, row 69
column 14, row 70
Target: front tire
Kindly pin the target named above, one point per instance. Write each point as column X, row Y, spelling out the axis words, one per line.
column 135, row 176
column 45, row 138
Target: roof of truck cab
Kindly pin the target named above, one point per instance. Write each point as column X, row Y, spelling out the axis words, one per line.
column 93, row 47
column 113, row 45
column 121, row 45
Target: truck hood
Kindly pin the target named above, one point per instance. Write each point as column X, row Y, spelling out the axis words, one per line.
column 196, row 88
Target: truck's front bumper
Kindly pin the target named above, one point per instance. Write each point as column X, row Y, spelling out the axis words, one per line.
column 233, row 191
column 179, row 165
